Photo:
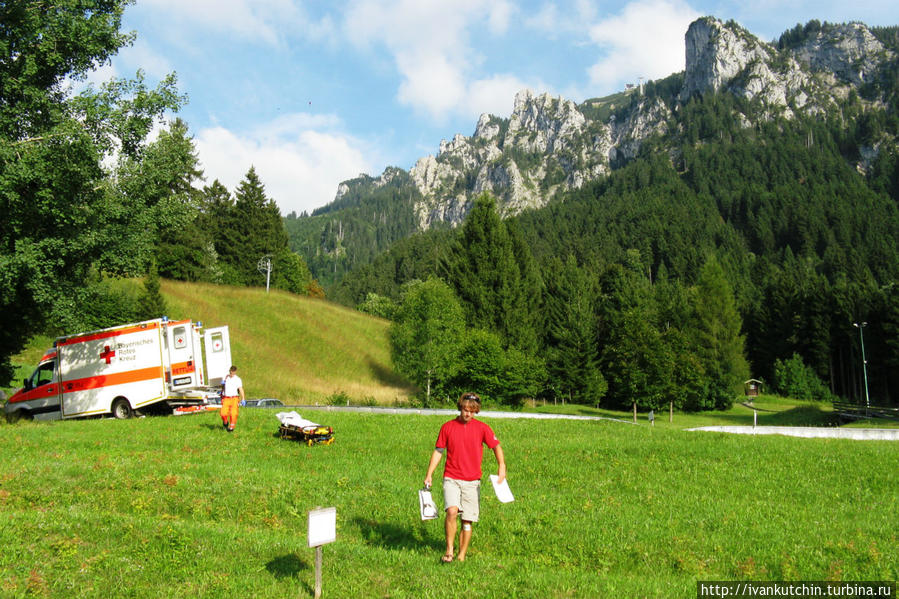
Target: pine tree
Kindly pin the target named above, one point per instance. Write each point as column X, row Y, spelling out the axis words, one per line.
column 217, row 220
column 720, row 346
column 572, row 352
column 260, row 231
column 151, row 304
column 494, row 277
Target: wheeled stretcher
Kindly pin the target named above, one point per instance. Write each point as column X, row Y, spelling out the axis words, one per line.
column 294, row 426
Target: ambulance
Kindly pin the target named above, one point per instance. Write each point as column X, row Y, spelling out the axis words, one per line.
column 155, row 365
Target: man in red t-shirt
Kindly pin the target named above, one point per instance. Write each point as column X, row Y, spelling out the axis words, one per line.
column 463, row 440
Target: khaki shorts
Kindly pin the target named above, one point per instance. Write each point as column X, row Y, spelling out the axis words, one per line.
column 465, row 495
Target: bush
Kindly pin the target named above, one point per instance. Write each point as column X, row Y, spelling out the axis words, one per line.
column 793, row 378
column 378, row 305
column 505, row 376
column 338, row 398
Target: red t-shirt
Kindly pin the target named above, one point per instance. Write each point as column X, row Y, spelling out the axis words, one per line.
column 464, row 444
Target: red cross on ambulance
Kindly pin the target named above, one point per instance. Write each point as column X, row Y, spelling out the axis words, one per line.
column 107, row 354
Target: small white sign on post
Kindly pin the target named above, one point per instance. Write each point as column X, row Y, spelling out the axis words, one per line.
column 322, row 526
column 322, row 530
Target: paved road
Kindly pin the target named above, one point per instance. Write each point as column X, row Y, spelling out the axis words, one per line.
column 881, row 434
column 862, row 434
column 448, row 412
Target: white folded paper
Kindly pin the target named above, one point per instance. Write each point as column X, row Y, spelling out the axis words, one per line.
column 503, row 493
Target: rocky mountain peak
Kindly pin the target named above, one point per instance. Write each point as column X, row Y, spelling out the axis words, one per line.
column 850, row 53
column 549, row 144
column 725, row 57
column 716, row 54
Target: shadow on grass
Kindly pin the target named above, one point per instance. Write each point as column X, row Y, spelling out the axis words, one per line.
column 393, row 536
column 287, row 566
column 797, row 416
column 387, row 376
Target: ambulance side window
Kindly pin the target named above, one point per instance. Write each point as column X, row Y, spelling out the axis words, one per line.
column 43, row 374
column 180, row 337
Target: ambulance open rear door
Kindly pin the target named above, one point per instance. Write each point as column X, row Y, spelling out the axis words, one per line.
column 217, row 350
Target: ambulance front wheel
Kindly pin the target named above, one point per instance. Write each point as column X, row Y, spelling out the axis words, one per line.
column 17, row 415
column 121, row 409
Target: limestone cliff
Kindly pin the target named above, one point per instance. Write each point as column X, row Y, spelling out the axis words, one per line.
column 551, row 144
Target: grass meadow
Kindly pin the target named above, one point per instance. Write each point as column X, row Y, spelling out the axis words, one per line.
column 175, row 507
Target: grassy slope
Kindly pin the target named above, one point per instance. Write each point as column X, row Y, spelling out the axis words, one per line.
column 298, row 349
column 176, row 507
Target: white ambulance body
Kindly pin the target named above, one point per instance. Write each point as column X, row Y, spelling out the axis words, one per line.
column 124, row 369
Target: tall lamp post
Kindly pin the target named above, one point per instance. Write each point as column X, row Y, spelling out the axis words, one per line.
column 861, row 337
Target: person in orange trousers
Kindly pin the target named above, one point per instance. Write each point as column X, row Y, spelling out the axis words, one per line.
column 232, row 397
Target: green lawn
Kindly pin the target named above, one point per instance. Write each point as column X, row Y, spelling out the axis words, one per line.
column 176, row 507
column 770, row 410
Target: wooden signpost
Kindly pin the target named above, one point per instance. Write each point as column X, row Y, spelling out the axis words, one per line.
column 322, row 530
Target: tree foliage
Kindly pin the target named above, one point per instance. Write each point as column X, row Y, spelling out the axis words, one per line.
column 494, row 277
column 793, row 378
column 426, row 333
column 572, row 329
column 71, row 220
column 719, row 342
column 60, row 218
column 244, row 229
column 365, row 220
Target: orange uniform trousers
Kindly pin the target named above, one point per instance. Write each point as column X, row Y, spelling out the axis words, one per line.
column 229, row 410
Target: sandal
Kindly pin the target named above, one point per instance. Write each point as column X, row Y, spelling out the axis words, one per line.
column 446, row 558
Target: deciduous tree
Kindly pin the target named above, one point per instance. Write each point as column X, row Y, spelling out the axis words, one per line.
column 426, row 333
column 59, row 217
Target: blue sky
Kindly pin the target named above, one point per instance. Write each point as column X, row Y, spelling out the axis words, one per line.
column 314, row 92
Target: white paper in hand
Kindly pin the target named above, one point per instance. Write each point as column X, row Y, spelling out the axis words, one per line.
column 426, row 505
column 503, row 493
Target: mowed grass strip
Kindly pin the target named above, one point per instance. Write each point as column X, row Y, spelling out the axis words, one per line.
column 295, row 348
column 176, row 507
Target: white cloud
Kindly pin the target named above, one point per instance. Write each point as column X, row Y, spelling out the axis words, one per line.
column 298, row 159
column 553, row 21
column 268, row 21
column 496, row 95
column 429, row 41
column 646, row 39
column 499, row 17
column 142, row 56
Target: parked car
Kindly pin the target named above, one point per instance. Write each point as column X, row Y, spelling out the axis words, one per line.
column 264, row 403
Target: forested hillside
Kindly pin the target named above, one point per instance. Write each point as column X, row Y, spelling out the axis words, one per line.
column 351, row 231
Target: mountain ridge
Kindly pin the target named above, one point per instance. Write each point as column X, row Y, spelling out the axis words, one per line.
column 811, row 78
column 550, row 146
